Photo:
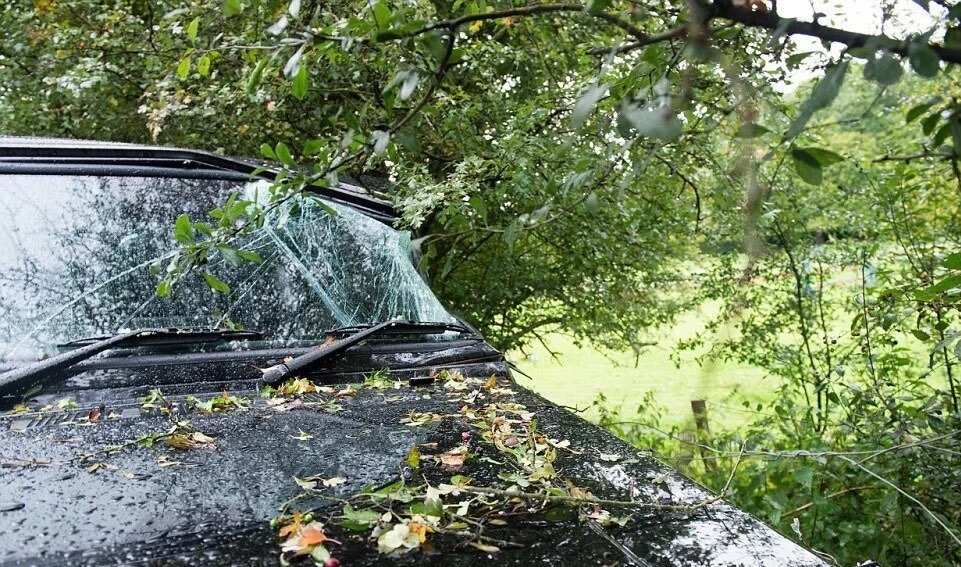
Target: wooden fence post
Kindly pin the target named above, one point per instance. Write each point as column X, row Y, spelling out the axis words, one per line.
column 699, row 407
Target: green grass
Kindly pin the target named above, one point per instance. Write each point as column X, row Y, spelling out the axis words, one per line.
column 580, row 374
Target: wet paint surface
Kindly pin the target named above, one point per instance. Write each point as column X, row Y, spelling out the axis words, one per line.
column 215, row 506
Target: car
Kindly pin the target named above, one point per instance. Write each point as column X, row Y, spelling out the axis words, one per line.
column 322, row 407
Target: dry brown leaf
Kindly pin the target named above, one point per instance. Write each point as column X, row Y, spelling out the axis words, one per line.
column 201, row 438
column 291, row 527
column 419, row 530
column 453, row 459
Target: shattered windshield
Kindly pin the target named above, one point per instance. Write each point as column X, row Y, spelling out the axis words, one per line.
column 76, row 251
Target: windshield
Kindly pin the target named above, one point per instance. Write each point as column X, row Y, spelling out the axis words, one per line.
column 75, row 256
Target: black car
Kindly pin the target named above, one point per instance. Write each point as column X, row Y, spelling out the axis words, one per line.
column 327, row 409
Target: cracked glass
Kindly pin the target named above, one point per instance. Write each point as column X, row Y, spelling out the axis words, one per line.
column 75, row 253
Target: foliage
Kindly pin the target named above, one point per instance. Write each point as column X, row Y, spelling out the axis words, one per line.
column 850, row 306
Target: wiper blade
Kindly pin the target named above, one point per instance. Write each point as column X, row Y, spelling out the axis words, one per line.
column 23, row 379
column 165, row 337
column 279, row 372
column 424, row 327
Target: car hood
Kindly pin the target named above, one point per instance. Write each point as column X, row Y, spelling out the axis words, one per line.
column 82, row 486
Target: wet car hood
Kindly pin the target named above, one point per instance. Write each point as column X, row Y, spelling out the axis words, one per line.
column 77, row 490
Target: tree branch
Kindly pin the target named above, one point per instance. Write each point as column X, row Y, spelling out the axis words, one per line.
column 724, row 9
column 678, row 32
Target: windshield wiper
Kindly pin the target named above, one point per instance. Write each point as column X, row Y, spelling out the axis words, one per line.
column 177, row 336
column 22, row 379
column 278, row 372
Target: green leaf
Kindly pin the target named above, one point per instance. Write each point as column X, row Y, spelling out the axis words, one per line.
column 592, row 203
column 192, row 29
column 253, row 81
column 932, row 292
column 382, row 15
column 184, row 230
column 928, row 124
column 300, row 83
column 921, row 335
column 511, row 232
column 250, row 256
column 267, row 151
column 885, row 70
column 216, row 284
column 807, row 166
column 164, row 287
column 924, row 60
column 955, row 127
column 358, row 520
column 585, row 105
column 314, row 146
column 231, row 255
column 598, row 6
column 822, row 96
column 283, row 154
column 915, row 112
column 823, row 157
column 942, row 134
column 659, row 123
column 183, row 68
column 804, row 476
column 952, row 38
column 953, row 261
column 232, row 7
column 203, row 65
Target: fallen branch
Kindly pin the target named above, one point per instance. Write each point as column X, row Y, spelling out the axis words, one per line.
column 559, row 498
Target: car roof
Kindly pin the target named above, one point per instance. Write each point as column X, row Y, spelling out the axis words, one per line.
column 39, row 155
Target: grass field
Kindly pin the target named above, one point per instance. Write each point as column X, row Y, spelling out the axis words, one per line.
column 580, row 374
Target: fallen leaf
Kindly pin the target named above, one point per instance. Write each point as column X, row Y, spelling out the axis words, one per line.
column 453, row 459
column 418, row 530
column 179, row 441
column 460, row 480
column 413, row 458
column 306, row 484
column 346, row 392
column 312, row 535
column 164, row 461
column 289, row 529
column 400, row 538
column 201, row 438
column 18, row 409
column 297, row 387
column 93, row 415
column 490, row 383
column 417, row 419
column 335, row 481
